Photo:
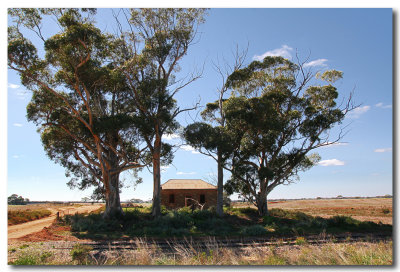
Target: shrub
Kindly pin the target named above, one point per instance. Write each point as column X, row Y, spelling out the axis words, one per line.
column 300, row 241
column 214, row 226
column 385, row 211
column 341, row 221
column 80, row 253
column 92, row 223
column 26, row 259
column 255, row 230
column 185, row 209
column 212, row 209
column 202, row 214
column 18, row 217
column 45, row 255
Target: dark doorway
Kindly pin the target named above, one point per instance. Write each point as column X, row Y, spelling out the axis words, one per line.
column 171, row 198
column 188, row 200
column 202, row 199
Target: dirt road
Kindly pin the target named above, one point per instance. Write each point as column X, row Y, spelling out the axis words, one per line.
column 21, row 230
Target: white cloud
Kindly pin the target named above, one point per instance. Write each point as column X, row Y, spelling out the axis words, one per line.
column 13, row 86
column 357, row 112
column 171, row 136
column 381, row 105
column 381, row 150
column 186, row 173
column 17, row 125
column 189, row 148
column 22, row 95
column 164, row 168
column 314, row 63
column 332, row 162
column 16, row 156
column 284, row 51
column 334, row 144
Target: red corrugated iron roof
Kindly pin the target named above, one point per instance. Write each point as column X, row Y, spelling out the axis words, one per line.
column 187, row 184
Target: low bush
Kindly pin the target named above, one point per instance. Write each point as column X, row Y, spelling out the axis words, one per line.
column 236, row 221
column 300, row 241
column 27, row 259
column 255, row 230
column 80, row 253
column 22, row 216
column 214, row 226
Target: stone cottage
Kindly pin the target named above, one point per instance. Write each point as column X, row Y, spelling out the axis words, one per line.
column 177, row 193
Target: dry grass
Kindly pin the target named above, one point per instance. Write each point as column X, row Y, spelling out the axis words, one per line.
column 359, row 253
column 38, row 206
column 22, row 216
column 368, row 209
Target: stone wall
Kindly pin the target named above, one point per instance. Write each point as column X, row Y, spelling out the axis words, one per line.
column 180, row 195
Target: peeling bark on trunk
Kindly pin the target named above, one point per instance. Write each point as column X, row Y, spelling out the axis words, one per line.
column 156, row 208
column 261, row 199
column 262, row 206
column 113, row 203
column 220, row 188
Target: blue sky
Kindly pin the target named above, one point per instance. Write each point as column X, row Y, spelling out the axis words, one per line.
column 355, row 41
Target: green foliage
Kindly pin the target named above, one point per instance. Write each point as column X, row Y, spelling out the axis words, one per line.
column 293, row 222
column 44, row 256
column 330, row 75
column 300, row 241
column 31, row 257
column 254, row 230
column 27, row 259
column 15, row 199
column 276, row 118
column 80, row 100
column 138, row 222
column 23, row 246
column 80, row 253
column 164, row 36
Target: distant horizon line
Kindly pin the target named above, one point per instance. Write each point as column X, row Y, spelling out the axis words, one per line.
column 235, row 200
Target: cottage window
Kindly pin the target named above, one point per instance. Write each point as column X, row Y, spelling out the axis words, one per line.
column 171, row 198
column 202, row 199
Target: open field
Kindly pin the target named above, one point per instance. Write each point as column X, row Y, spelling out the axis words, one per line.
column 18, row 214
column 73, row 240
column 20, row 230
column 363, row 209
column 23, row 216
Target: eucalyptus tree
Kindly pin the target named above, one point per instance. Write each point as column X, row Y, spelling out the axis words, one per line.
column 80, row 101
column 211, row 137
column 148, row 51
column 281, row 111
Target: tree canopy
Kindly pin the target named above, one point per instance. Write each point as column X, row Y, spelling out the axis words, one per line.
column 81, row 102
column 280, row 118
column 103, row 101
column 149, row 60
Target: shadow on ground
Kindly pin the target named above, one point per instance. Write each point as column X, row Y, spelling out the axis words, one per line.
column 137, row 222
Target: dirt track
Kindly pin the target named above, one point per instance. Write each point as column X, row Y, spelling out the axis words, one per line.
column 21, row 230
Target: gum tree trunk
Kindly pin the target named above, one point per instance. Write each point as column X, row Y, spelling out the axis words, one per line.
column 113, row 203
column 220, row 188
column 262, row 206
column 156, row 208
column 261, row 199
